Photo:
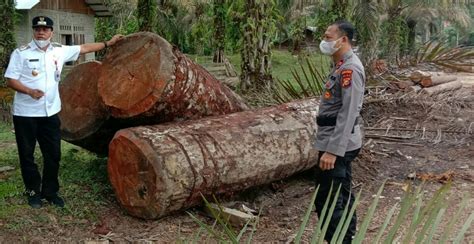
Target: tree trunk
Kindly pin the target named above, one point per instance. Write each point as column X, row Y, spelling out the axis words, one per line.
column 411, row 24
column 219, row 30
column 450, row 86
column 256, row 52
column 394, row 22
column 146, row 15
column 435, row 80
column 142, row 81
column 156, row 170
column 340, row 8
column 7, row 35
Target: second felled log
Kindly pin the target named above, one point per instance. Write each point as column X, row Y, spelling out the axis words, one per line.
column 437, row 79
column 156, row 170
column 450, row 86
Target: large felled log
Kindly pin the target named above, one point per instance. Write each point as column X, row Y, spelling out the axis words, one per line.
column 85, row 120
column 178, row 90
column 437, row 79
column 450, row 86
column 156, row 170
column 143, row 76
column 82, row 112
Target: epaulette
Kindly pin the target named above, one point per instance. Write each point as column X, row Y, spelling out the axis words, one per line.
column 24, row 47
column 56, row 44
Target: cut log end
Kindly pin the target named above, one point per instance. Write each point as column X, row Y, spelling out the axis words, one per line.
column 135, row 73
column 139, row 181
column 82, row 110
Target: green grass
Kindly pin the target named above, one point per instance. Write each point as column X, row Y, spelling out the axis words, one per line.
column 84, row 186
column 283, row 62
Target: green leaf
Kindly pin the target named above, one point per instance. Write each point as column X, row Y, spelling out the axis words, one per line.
column 327, row 220
column 306, row 217
column 368, row 217
column 449, row 227
column 348, row 218
column 464, row 228
column 317, row 228
column 385, row 223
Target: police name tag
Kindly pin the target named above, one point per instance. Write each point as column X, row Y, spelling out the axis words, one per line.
column 57, row 75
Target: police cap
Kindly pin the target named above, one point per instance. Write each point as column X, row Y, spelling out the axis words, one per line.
column 42, row 21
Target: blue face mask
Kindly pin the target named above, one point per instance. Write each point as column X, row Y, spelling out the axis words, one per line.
column 328, row 47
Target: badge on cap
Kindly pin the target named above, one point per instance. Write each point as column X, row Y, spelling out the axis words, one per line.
column 346, row 78
column 41, row 21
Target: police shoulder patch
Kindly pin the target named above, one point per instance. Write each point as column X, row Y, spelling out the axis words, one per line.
column 56, row 44
column 24, row 47
column 346, row 78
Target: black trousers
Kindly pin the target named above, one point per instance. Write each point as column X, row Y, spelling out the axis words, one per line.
column 340, row 175
column 45, row 130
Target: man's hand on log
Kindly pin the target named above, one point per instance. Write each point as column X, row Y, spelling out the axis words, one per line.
column 114, row 39
column 327, row 161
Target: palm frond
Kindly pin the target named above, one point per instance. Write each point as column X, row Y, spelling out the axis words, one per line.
column 308, row 82
column 441, row 54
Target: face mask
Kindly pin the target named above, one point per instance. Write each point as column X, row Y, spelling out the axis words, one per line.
column 328, row 47
column 42, row 43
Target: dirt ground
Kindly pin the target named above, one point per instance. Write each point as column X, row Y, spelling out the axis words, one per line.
column 396, row 156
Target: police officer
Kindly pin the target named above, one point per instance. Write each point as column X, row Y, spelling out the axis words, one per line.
column 34, row 72
column 338, row 138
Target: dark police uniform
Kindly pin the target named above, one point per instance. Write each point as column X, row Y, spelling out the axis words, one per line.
column 339, row 134
column 37, row 120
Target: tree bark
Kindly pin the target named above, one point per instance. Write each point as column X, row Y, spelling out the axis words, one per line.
column 435, row 80
column 450, row 86
column 157, row 170
column 142, row 81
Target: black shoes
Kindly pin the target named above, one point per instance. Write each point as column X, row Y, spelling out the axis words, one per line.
column 34, row 201
column 56, row 201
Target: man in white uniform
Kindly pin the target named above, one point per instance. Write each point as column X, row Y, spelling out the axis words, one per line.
column 34, row 72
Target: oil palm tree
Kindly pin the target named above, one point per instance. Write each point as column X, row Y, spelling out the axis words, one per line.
column 146, row 15
column 7, row 34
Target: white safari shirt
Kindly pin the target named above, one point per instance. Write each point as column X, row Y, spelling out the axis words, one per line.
column 38, row 69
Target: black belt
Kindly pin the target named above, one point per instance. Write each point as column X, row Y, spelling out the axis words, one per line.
column 330, row 121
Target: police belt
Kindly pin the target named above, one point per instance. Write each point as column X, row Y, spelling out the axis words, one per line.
column 331, row 121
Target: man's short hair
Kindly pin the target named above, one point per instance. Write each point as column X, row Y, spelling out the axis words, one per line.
column 346, row 29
